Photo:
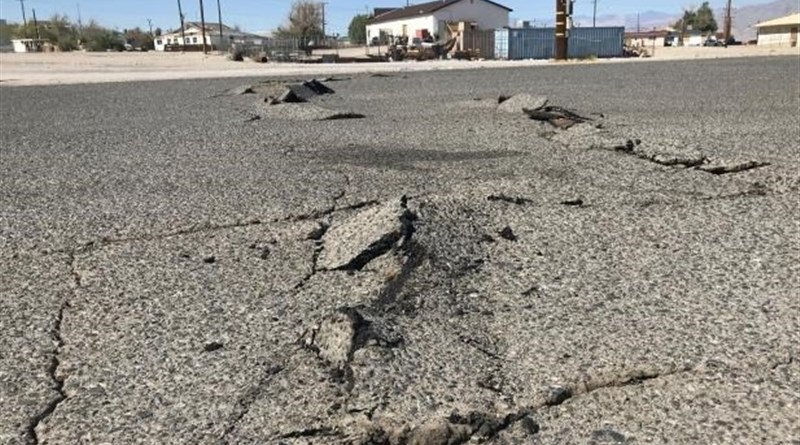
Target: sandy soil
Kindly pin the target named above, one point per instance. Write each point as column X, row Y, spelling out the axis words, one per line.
column 74, row 68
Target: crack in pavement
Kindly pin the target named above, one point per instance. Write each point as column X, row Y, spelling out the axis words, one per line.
column 561, row 394
column 310, row 432
column 52, row 369
column 249, row 397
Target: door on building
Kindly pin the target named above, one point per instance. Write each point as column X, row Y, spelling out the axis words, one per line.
column 793, row 37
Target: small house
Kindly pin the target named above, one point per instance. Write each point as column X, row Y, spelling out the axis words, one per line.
column 30, row 45
column 654, row 38
column 431, row 19
column 191, row 38
column 779, row 32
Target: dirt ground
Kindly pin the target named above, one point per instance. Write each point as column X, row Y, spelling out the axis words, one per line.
column 74, row 68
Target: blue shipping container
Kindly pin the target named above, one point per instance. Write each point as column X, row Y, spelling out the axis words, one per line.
column 539, row 43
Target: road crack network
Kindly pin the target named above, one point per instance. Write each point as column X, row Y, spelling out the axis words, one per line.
column 52, row 369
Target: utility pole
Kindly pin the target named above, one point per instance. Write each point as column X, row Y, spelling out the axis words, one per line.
column 728, row 22
column 80, row 22
column 150, row 24
column 594, row 15
column 36, row 25
column 219, row 14
column 561, row 29
column 203, row 26
column 638, row 23
column 24, row 20
column 322, row 4
column 183, row 27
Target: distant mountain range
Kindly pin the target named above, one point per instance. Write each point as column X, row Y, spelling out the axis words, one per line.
column 744, row 18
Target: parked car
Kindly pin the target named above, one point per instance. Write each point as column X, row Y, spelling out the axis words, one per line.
column 713, row 41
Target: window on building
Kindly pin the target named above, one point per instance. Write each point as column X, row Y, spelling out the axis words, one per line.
column 159, row 42
column 194, row 39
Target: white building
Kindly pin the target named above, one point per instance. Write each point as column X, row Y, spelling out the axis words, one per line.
column 194, row 37
column 432, row 18
column 30, row 45
column 779, row 32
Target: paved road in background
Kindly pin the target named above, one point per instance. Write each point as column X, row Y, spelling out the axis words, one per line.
column 182, row 264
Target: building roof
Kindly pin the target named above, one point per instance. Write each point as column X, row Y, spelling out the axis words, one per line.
column 791, row 19
column 421, row 9
column 209, row 26
column 654, row 34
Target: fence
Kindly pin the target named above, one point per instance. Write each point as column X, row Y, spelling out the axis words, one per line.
column 538, row 43
column 288, row 49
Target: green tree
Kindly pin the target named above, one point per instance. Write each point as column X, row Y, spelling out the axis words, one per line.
column 98, row 38
column 700, row 19
column 138, row 38
column 704, row 19
column 7, row 31
column 357, row 31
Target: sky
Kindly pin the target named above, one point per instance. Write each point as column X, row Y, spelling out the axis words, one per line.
column 266, row 15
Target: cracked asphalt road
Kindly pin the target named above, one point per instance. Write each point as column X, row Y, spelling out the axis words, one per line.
column 176, row 271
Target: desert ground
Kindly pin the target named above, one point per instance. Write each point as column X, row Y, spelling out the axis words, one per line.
column 405, row 260
column 80, row 67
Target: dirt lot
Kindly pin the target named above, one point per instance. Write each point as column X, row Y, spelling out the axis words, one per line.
column 72, row 68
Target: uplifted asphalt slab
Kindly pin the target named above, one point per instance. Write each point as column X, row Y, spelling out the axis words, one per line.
column 182, row 267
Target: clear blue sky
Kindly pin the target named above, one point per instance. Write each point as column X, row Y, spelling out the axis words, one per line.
column 262, row 15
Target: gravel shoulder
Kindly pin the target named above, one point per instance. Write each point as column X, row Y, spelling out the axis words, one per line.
column 82, row 68
column 187, row 264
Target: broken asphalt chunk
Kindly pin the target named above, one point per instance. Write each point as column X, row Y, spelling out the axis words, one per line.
column 519, row 102
column 242, row 90
column 304, row 112
column 557, row 116
column 353, row 242
column 345, row 331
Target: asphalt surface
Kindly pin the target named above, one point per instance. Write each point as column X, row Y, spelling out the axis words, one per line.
column 181, row 264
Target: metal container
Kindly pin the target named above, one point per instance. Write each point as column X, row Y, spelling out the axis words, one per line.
column 538, row 43
column 597, row 42
column 501, row 43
